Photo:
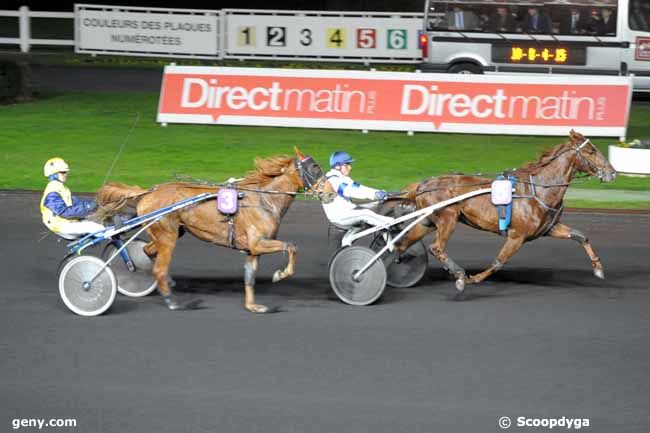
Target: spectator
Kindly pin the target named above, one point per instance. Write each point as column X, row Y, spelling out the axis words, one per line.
column 536, row 21
column 503, row 21
column 459, row 19
column 575, row 23
column 605, row 23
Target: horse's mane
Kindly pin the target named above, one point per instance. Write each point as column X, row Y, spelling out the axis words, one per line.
column 545, row 157
column 266, row 169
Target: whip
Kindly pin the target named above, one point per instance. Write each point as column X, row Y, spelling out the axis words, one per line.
column 126, row 139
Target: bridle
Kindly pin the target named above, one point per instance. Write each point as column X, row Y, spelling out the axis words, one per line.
column 600, row 171
column 310, row 173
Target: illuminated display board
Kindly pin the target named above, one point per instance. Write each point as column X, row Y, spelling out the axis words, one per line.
column 527, row 53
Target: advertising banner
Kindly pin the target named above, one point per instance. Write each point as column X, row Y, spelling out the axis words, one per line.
column 138, row 31
column 398, row 101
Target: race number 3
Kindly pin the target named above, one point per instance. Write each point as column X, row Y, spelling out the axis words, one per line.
column 245, row 36
column 335, row 38
column 366, row 38
column 276, row 36
column 397, row 39
column 305, row 37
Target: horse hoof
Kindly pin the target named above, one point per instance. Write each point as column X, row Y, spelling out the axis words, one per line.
column 258, row 308
column 277, row 276
column 174, row 305
column 460, row 284
column 599, row 273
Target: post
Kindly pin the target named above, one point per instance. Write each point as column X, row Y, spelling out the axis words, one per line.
column 25, row 32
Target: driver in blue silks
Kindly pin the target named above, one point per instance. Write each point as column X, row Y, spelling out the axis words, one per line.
column 341, row 210
column 62, row 212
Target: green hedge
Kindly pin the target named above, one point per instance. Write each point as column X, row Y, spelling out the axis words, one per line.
column 15, row 82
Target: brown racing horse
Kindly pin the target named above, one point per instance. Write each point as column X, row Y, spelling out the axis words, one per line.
column 268, row 191
column 536, row 210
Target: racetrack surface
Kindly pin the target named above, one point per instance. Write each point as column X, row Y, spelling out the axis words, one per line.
column 542, row 339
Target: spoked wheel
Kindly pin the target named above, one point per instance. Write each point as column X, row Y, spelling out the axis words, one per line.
column 137, row 282
column 370, row 285
column 64, row 262
column 406, row 270
column 80, row 292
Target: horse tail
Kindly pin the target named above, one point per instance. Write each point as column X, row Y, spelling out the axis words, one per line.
column 411, row 191
column 113, row 197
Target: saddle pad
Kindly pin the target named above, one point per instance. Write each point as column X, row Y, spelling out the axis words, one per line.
column 501, row 192
column 227, row 201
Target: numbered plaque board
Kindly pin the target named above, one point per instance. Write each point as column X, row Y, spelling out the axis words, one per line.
column 545, row 104
column 147, row 31
column 378, row 37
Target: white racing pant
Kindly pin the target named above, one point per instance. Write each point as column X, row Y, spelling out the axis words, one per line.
column 354, row 217
column 72, row 230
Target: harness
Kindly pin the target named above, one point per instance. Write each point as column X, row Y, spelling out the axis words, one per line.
column 311, row 176
column 533, row 186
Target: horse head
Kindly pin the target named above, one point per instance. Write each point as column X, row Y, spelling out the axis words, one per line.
column 308, row 171
column 590, row 159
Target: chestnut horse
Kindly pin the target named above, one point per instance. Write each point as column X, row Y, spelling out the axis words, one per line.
column 269, row 190
column 536, row 208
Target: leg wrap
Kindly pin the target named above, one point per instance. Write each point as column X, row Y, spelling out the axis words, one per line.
column 249, row 274
column 578, row 236
column 452, row 267
column 497, row 265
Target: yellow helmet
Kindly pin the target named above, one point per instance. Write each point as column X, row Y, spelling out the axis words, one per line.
column 55, row 165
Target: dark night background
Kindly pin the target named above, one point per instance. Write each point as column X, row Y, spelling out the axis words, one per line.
column 342, row 5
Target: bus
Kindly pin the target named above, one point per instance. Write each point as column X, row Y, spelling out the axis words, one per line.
column 595, row 37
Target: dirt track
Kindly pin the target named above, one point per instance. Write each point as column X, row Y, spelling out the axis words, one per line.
column 544, row 338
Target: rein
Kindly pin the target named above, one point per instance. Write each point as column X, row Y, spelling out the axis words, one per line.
column 531, row 182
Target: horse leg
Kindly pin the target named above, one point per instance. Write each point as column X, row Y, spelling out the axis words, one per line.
column 414, row 235
column 511, row 246
column 250, row 268
column 267, row 246
column 446, row 221
column 151, row 250
column 562, row 231
column 165, row 243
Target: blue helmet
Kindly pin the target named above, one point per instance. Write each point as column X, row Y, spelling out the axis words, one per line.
column 340, row 158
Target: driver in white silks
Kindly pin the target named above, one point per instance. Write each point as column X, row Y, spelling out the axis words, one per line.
column 341, row 211
column 62, row 212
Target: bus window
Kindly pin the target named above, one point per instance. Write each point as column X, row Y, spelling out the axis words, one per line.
column 597, row 17
column 639, row 18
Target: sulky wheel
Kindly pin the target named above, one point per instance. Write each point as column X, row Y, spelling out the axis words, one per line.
column 406, row 270
column 82, row 294
column 371, row 284
column 137, row 282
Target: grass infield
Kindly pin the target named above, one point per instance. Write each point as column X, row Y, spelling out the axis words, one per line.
column 88, row 128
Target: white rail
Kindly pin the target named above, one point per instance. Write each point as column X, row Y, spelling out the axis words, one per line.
column 24, row 38
column 323, row 36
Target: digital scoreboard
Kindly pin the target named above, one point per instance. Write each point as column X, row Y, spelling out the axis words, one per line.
column 536, row 53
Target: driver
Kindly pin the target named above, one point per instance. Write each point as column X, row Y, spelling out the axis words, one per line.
column 341, row 210
column 62, row 212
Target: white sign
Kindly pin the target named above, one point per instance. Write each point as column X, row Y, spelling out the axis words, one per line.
column 173, row 32
column 294, row 35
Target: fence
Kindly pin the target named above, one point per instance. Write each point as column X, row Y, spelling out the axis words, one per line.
column 24, row 38
column 232, row 33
